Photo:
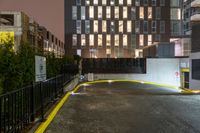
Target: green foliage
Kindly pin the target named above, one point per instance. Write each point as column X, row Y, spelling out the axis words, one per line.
column 8, row 68
column 17, row 69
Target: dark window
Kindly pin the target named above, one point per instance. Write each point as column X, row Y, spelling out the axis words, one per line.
column 196, row 69
column 7, row 19
column 52, row 37
column 145, row 26
column 195, row 38
column 145, row 2
column 47, row 34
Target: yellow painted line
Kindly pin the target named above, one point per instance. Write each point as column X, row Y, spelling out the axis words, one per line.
column 189, row 91
column 136, row 81
column 51, row 116
column 185, row 70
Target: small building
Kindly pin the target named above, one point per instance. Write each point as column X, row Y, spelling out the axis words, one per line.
column 25, row 29
column 159, row 50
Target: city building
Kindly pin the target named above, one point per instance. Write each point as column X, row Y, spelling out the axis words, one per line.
column 24, row 29
column 119, row 28
column 194, row 26
column 190, row 16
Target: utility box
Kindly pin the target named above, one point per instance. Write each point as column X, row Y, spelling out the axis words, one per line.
column 159, row 50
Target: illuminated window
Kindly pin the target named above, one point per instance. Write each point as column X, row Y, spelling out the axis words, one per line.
column 149, row 39
column 78, row 2
column 141, row 12
column 108, row 12
column 74, row 40
column 91, row 12
column 121, row 2
column 175, row 13
column 108, row 38
column 125, row 44
column 149, row 12
column 129, row 2
column 116, row 12
column 104, row 26
column 125, row 12
column 95, row 27
column 100, row 12
column 112, row 27
column 91, row 40
column 129, row 26
column 145, row 27
column 154, row 26
column 83, row 40
column 133, row 13
column 87, row 2
column 112, row 2
column 137, row 2
column 100, row 40
column 82, row 12
column 104, row 2
column 137, row 26
column 108, row 51
column 162, row 26
column 87, row 26
column 74, row 12
column 95, row 2
column 153, row 2
column 121, row 26
column 117, row 40
column 158, row 12
column 78, row 26
column 141, row 40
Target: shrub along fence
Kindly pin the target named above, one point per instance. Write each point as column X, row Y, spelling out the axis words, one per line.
column 20, row 107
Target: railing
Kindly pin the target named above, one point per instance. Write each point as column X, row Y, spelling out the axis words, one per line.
column 112, row 65
column 19, row 108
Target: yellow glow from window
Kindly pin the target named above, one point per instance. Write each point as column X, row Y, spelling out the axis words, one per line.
column 7, row 37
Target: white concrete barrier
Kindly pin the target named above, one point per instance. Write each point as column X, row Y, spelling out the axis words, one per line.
column 159, row 70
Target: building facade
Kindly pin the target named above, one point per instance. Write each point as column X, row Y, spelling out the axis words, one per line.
column 118, row 28
column 25, row 29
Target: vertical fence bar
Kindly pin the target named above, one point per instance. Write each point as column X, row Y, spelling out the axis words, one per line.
column 41, row 101
column 55, row 81
column 0, row 115
column 32, row 107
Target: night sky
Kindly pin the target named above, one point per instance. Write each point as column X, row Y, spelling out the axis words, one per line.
column 48, row 13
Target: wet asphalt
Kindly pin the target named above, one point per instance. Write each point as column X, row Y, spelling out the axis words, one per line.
column 126, row 107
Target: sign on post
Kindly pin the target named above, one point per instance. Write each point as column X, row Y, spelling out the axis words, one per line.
column 40, row 68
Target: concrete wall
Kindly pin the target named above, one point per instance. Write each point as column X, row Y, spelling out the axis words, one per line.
column 194, row 84
column 159, row 70
column 72, row 84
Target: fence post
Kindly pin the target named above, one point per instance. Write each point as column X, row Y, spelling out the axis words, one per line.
column 41, row 100
column 56, row 95
column 32, row 108
column 0, row 115
column 63, row 83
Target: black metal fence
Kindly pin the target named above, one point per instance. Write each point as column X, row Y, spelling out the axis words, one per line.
column 19, row 108
column 112, row 65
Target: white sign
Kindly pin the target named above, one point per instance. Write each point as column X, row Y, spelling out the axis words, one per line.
column 40, row 68
column 90, row 77
column 78, row 52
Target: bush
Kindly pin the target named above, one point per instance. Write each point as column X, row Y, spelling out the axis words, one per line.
column 17, row 69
